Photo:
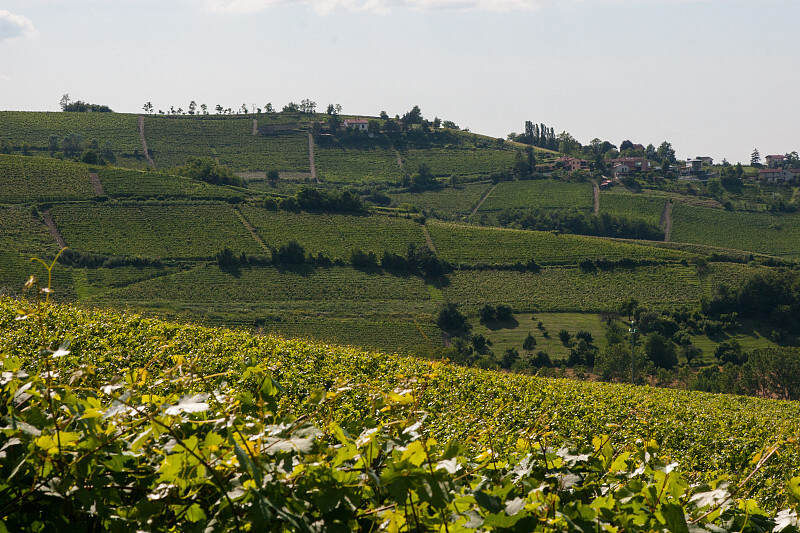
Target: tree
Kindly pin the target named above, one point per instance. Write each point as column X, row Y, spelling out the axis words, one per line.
column 661, row 351
column 755, row 158
column 192, row 107
column 480, row 344
column 510, row 356
column 148, row 108
column 792, row 160
column 529, row 343
column 243, row 109
column 437, row 123
column 504, row 313
column 218, row 109
column 666, row 154
column 414, row 116
column 487, row 313
column 64, row 102
column 565, row 337
column 451, row 320
column 338, row 109
column 291, row 107
column 374, row 127
column 204, row 108
column 273, row 176
column 449, row 124
column 268, row 108
column 331, row 109
column 625, row 145
column 307, row 106
column 384, row 115
column 773, row 372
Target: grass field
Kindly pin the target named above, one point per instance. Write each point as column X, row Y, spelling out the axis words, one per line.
column 756, row 232
column 568, row 289
column 649, row 208
column 340, row 165
column 450, row 201
column 154, row 231
column 41, row 179
column 120, row 183
column 474, row 244
column 539, row 194
column 335, row 235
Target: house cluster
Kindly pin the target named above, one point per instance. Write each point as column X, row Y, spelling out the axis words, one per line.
column 776, row 173
column 573, row 163
column 622, row 166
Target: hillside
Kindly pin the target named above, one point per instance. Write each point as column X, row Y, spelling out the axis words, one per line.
column 500, row 421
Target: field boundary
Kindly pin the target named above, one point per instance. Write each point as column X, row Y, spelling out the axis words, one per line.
column 311, row 162
column 666, row 220
column 596, row 194
column 251, row 229
column 144, row 143
column 255, row 127
column 399, row 159
column 96, row 184
column 429, row 240
column 51, row 226
column 483, row 199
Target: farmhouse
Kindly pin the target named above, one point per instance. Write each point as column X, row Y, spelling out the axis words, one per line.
column 778, row 175
column 573, row 163
column 705, row 160
column 356, row 123
column 633, row 164
column 775, row 161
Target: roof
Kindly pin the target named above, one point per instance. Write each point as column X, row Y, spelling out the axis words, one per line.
column 778, row 156
column 356, row 121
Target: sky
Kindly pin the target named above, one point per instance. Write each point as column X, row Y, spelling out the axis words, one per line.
column 713, row 77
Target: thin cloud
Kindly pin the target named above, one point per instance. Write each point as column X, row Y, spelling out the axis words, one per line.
column 377, row 6
column 14, row 26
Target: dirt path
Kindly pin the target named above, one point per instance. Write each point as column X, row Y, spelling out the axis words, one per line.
column 252, row 230
column 399, row 159
column 255, row 127
column 483, row 199
column 428, row 239
column 596, row 191
column 311, row 162
column 96, row 185
column 144, row 143
column 666, row 220
column 51, row 225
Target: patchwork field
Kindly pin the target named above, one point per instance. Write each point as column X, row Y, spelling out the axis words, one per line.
column 158, row 231
column 335, row 235
column 474, row 244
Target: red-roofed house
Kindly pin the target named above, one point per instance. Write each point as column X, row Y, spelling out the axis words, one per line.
column 573, row 163
column 774, row 161
column 631, row 164
column 356, row 123
column 776, row 175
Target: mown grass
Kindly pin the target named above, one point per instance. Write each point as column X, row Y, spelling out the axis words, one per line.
column 335, row 235
column 156, row 231
column 474, row 244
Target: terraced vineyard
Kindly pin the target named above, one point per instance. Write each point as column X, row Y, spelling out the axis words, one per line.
column 23, row 229
column 158, row 231
column 335, row 235
column 568, row 289
column 473, row 244
column 757, row 232
column 539, row 194
column 41, row 179
column 649, row 208
column 120, row 183
column 340, row 165
column 235, row 145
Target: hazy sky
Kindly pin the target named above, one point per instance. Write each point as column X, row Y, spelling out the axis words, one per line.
column 715, row 77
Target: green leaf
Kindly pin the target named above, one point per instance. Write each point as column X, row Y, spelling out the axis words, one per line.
column 675, row 518
column 794, row 487
column 195, row 513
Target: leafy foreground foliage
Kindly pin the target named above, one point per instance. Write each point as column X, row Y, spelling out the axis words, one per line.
column 124, row 441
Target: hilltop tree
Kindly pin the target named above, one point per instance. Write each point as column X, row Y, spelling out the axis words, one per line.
column 268, row 108
column 204, row 108
column 192, row 107
column 625, row 145
column 414, row 116
column 384, row 115
column 331, row 109
column 64, row 102
column 218, row 109
column 308, row 106
column 148, row 108
column 291, row 107
column 755, row 158
column 666, row 154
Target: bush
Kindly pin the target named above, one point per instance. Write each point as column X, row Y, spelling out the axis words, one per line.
column 452, row 321
column 208, row 170
column 661, row 351
column 565, row 337
column 487, row 313
column 504, row 313
column 363, row 260
column 289, row 254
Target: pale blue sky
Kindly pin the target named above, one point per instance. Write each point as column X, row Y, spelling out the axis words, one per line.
column 714, row 77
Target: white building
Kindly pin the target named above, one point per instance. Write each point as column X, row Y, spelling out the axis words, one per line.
column 356, row 123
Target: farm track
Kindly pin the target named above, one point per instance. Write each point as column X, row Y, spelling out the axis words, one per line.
column 144, row 144
column 399, row 159
column 251, row 229
column 666, row 220
column 255, row 127
column 311, row 162
column 596, row 193
column 483, row 199
column 51, row 225
column 96, row 185
column 428, row 239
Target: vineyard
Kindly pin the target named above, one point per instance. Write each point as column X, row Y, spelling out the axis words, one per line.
column 473, row 244
column 335, row 235
column 340, row 165
column 467, row 163
column 633, row 206
column 568, row 289
column 119, row 183
column 539, row 194
column 757, row 232
column 450, row 201
column 486, row 439
column 157, row 231
column 39, row 179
